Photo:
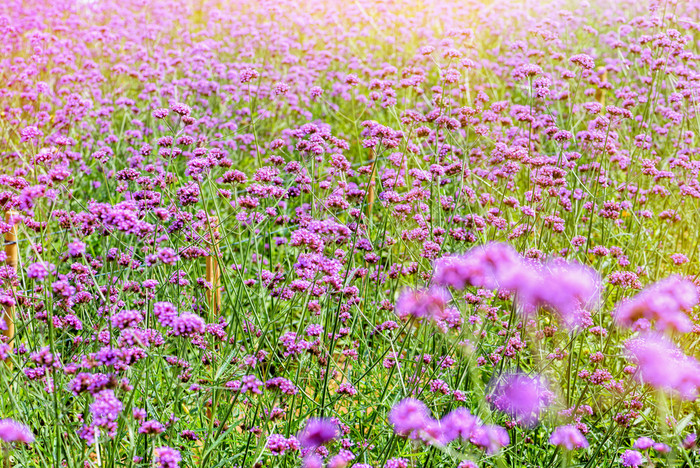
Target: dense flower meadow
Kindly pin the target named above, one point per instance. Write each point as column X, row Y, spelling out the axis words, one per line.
column 367, row 233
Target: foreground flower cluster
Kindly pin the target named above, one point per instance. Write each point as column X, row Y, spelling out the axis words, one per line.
column 336, row 234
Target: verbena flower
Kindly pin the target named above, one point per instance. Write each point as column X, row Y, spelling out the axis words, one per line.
column 13, row 431
column 521, row 396
column 318, row 432
column 568, row 437
column 663, row 365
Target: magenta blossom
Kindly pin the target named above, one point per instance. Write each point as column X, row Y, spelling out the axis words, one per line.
column 459, row 423
column 490, row 438
column 522, row 397
column 665, row 303
column 663, row 365
column 568, row 437
column 489, row 266
column 631, row 458
column 563, row 287
column 423, row 303
column 318, row 432
column 409, row 416
column 13, row 431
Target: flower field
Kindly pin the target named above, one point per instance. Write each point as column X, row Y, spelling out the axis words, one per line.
column 362, row 233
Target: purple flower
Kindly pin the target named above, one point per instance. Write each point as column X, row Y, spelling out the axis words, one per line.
column 13, row 431
column 429, row 303
column 160, row 113
column 312, row 461
column 663, row 365
column 490, row 438
column 631, row 458
column 105, row 411
column 458, row 423
column 76, row 248
column 643, row 443
column 522, row 397
column 564, row 287
column 490, row 266
column 151, row 427
column 318, row 432
column 188, row 324
column 568, row 437
column 40, row 270
column 181, row 109
column 665, row 303
column 167, row 457
column 278, row 444
column 409, row 416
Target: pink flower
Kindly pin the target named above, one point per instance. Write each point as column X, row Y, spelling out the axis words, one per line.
column 567, row 288
column 568, row 437
column 631, row 458
column 318, row 432
column 409, row 416
column 13, row 431
column 490, row 266
column 663, row 365
column 490, row 438
column 430, row 303
column 459, row 423
column 665, row 303
column 522, row 397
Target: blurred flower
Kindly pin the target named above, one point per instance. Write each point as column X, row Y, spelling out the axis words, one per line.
column 568, row 437
column 318, row 432
column 13, row 431
column 665, row 303
column 490, row 438
column 409, row 416
column 521, row 396
column 429, row 303
column 459, row 423
column 663, row 365
column 167, row 457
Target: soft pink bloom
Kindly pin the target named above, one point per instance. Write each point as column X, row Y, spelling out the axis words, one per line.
column 521, row 396
column 429, row 303
column 13, row 431
column 663, row 365
column 568, row 437
column 665, row 303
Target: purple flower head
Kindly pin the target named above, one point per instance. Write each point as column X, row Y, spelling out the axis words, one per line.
column 490, row 266
column 167, row 457
column 522, row 397
column 631, row 458
column 458, row 423
column 13, row 431
column 643, row 443
column 568, row 437
column 663, row 365
column 40, row 270
column 490, row 438
column 279, row 445
column 317, row 432
column 181, row 109
column 76, row 248
column 409, row 416
column 160, row 113
column 563, row 287
column 429, row 303
column 312, row 461
column 188, row 324
column 665, row 303
column 690, row 441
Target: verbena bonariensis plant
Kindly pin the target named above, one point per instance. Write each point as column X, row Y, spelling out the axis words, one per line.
column 450, row 233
